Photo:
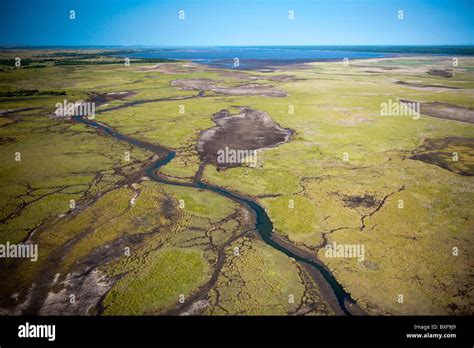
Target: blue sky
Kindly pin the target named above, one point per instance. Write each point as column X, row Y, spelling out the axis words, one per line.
column 236, row 22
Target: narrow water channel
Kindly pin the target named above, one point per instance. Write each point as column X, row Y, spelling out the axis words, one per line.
column 263, row 225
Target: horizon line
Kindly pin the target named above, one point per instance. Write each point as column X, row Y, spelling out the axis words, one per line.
column 264, row 45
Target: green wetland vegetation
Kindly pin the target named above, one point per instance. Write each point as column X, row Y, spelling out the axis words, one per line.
column 122, row 243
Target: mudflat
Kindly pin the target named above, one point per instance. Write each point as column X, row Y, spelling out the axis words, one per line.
column 248, row 130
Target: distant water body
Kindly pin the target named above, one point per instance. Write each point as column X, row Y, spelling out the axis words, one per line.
column 252, row 57
column 261, row 57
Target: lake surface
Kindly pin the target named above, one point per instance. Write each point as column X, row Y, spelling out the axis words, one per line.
column 260, row 57
column 253, row 57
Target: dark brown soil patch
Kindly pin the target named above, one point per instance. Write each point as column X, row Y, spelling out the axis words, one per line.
column 171, row 69
column 251, row 89
column 285, row 78
column 6, row 140
column 236, row 74
column 194, row 84
column 213, row 86
column 366, row 201
column 376, row 67
column 241, row 75
column 103, row 98
column 248, row 130
column 439, row 152
column 13, row 111
column 443, row 73
column 422, row 85
column 446, row 111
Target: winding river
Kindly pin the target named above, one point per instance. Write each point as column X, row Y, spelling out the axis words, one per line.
column 263, row 224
